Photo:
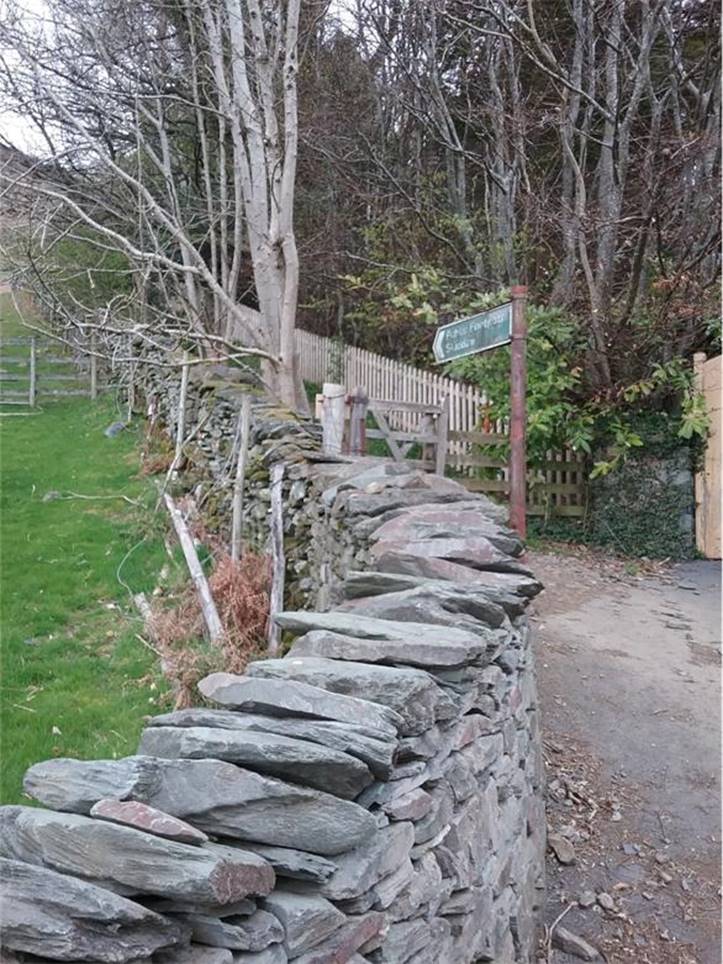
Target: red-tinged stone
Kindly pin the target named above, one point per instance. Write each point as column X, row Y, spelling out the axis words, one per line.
column 344, row 942
column 131, row 813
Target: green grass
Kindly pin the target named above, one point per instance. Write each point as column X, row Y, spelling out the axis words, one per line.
column 75, row 679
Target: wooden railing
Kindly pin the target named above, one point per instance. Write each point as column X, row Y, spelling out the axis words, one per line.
column 32, row 368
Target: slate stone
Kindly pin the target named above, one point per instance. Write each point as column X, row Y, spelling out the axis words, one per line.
column 237, row 908
column 136, row 861
column 437, row 818
column 341, row 946
column 272, row 955
column 51, row 914
column 412, row 806
column 248, row 933
column 436, row 605
column 196, row 954
column 409, row 563
column 425, row 892
column 299, row 699
column 452, row 521
column 380, row 630
column 474, row 552
column 75, row 785
column 306, row 919
column 372, row 746
column 299, row 760
column 411, row 693
column 131, row 813
column 422, row 653
column 481, row 597
column 293, row 864
column 360, row 869
column 362, row 504
column 218, row 797
column 402, row 941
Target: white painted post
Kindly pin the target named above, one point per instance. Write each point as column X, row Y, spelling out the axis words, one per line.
column 332, row 417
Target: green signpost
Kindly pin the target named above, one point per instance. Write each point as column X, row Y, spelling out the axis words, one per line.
column 468, row 336
column 503, row 325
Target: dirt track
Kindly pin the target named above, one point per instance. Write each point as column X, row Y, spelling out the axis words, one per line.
column 629, row 675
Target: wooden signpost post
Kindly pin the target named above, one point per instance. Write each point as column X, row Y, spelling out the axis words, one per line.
column 506, row 324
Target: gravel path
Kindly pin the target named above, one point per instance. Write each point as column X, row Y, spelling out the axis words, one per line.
column 629, row 674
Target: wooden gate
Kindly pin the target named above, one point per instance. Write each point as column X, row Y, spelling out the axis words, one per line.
column 708, row 480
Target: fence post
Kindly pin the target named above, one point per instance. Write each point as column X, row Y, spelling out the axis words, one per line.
column 93, row 368
column 278, row 558
column 332, row 417
column 442, row 437
column 181, row 423
column 518, row 409
column 238, row 489
column 33, row 376
column 357, row 422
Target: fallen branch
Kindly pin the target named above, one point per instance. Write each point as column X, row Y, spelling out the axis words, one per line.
column 208, row 606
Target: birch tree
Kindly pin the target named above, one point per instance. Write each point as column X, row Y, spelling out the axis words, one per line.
column 171, row 133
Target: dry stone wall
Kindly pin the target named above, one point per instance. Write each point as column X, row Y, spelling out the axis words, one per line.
column 373, row 796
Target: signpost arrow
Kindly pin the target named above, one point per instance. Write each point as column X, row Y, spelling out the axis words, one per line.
column 468, row 336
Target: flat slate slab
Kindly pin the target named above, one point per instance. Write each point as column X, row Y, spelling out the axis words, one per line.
column 293, row 864
column 400, row 652
column 307, row 919
column 131, row 813
column 410, row 692
column 410, row 563
column 253, row 933
column 454, row 521
column 296, row 699
column 302, row 762
column 366, row 743
column 475, row 552
column 217, row 797
column 137, row 862
column 360, row 869
column 345, row 941
column 439, row 604
column 510, row 593
column 51, row 914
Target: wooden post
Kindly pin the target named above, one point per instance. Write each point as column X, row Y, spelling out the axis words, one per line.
column 276, row 597
column 93, row 368
column 181, row 422
column 208, row 606
column 33, row 375
column 518, row 411
column 332, row 417
column 358, row 422
column 238, row 488
column 442, row 437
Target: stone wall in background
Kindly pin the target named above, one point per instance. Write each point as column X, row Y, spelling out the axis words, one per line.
column 646, row 507
column 374, row 797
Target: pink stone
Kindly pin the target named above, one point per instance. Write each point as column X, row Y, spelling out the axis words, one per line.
column 132, row 813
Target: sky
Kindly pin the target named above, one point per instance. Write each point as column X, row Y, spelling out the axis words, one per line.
column 19, row 131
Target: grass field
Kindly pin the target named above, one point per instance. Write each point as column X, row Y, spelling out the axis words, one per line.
column 75, row 680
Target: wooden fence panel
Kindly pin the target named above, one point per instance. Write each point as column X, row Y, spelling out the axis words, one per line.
column 557, row 487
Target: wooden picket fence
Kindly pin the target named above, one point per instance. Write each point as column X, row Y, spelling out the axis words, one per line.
column 557, row 487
